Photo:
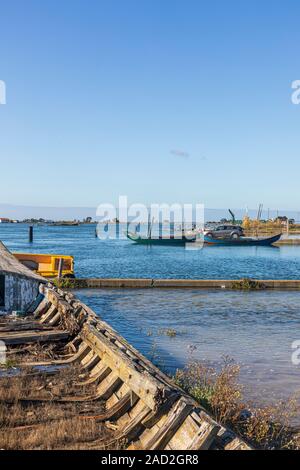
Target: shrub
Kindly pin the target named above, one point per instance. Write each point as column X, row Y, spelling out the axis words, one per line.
column 266, row 427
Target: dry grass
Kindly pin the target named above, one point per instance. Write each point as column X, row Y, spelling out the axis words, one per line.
column 32, row 418
column 52, row 435
column 35, row 352
column 33, row 384
column 267, row 427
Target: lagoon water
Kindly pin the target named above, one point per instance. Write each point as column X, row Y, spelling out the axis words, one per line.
column 122, row 258
column 256, row 329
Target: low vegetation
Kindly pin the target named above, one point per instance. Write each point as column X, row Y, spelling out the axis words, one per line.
column 268, row 427
column 253, row 226
column 171, row 332
column 247, row 284
column 32, row 416
column 70, row 283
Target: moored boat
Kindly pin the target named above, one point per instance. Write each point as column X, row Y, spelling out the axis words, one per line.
column 161, row 240
column 242, row 241
column 47, row 265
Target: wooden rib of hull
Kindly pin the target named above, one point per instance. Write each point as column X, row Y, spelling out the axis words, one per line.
column 148, row 411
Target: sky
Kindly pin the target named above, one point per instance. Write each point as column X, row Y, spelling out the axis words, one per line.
column 163, row 101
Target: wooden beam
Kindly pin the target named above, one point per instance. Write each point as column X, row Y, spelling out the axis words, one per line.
column 33, row 336
column 176, row 417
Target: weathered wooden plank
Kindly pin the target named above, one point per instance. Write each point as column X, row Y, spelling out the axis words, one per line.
column 134, row 427
column 88, row 366
column 144, row 385
column 117, row 410
column 156, row 415
column 48, row 314
column 204, row 437
column 53, row 297
column 55, row 319
column 237, row 444
column 176, row 417
column 185, row 434
column 23, row 325
column 99, row 373
column 33, row 336
column 42, row 308
column 87, row 358
column 149, row 433
column 108, row 386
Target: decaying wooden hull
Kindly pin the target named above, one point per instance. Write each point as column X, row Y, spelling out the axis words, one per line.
column 142, row 404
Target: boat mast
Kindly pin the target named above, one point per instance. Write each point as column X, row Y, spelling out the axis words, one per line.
column 149, row 226
column 150, row 229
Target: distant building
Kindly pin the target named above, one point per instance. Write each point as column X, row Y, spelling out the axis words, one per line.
column 18, row 285
column 4, row 220
column 282, row 219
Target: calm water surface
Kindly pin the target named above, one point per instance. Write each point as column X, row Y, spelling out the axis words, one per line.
column 256, row 329
column 122, row 258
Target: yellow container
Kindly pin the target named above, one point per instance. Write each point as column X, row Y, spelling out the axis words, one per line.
column 47, row 265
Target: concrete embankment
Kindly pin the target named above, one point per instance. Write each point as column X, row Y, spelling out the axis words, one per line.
column 180, row 283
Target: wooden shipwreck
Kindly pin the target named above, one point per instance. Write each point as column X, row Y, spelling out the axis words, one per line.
column 141, row 404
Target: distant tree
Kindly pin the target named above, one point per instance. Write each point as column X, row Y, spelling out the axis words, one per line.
column 246, row 223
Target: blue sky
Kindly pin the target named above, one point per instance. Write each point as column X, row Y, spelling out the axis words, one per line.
column 162, row 101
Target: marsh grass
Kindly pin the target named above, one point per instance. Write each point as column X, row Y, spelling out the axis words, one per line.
column 56, row 434
column 266, row 427
column 248, row 284
column 70, row 283
column 32, row 418
column 170, row 332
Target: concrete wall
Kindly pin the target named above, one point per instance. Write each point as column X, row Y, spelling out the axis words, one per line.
column 19, row 292
column 176, row 283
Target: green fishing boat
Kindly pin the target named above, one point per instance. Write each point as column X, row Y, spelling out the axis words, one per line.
column 161, row 240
